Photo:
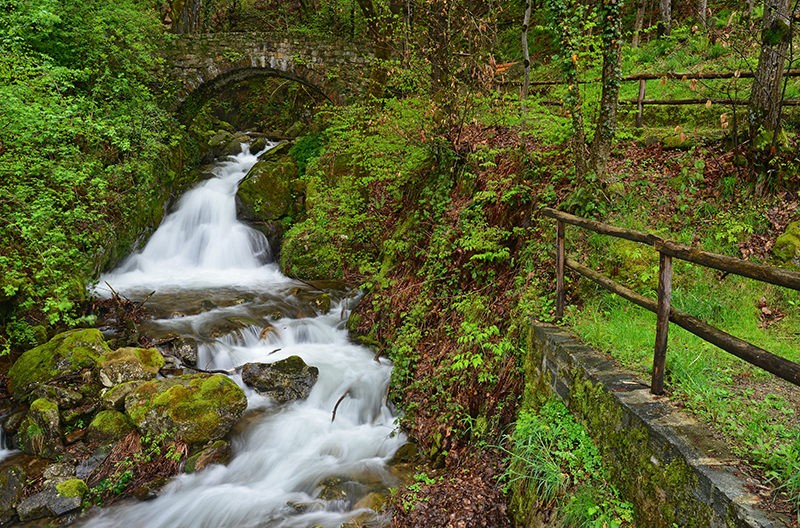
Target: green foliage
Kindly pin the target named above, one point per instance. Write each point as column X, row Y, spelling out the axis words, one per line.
column 550, row 455
column 82, row 133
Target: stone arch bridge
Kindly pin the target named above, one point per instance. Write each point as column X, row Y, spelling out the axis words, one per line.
column 204, row 64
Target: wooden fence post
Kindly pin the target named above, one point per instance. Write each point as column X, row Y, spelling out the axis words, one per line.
column 560, row 249
column 640, row 103
column 662, row 322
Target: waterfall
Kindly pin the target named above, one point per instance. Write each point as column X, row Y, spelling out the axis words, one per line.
column 286, row 456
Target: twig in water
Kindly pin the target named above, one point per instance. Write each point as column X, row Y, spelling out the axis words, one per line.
column 276, row 350
column 335, row 407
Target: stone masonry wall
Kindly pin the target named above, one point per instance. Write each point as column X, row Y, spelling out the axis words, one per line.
column 662, row 460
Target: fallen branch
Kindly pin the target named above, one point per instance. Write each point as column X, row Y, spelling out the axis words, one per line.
column 335, row 407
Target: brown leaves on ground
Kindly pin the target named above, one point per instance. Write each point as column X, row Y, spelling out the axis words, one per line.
column 462, row 497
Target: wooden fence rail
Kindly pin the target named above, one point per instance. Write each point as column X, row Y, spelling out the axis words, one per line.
column 641, row 102
column 668, row 250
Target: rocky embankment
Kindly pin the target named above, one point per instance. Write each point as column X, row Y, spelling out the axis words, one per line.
column 93, row 424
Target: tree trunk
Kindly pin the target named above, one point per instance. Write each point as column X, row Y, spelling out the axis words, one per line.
column 764, row 110
column 526, row 57
column 765, row 97
column 665, row 14
column 702, row 10
column 611, row 31
column 639, row 23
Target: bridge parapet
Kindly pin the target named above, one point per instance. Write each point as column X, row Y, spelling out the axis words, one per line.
column 204, row 64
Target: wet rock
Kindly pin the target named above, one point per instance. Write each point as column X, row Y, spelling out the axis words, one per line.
column 218, row 452
column 87, row 466
column 283, row 381
column 12, row 488
column 40, row 431
column 53, row 500
column 182, row 348
column 66, row 353
column 194, row 408
column 267, row 193
column 234, row 146
column 129, row 364
column 258, row 144
column 320, row 302
column 109, row 426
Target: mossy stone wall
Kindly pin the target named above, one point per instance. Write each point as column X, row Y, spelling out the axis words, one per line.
column 664, row 462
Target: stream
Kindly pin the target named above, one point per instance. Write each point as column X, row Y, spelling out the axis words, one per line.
column 293, row 466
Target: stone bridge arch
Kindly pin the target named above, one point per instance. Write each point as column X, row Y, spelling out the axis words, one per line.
column 204, row 64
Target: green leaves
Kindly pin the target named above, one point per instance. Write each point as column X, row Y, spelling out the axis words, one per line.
column 78, row 120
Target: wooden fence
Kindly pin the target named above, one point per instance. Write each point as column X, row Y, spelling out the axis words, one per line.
column 668, row 250
column 641, row 101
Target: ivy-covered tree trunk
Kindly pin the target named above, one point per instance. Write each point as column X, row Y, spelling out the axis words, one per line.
column 764, row 110
column 610, row 15
column 765, row 97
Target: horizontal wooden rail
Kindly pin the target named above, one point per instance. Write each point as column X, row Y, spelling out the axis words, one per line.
column 783, row 368
column 668, row 250
column 668, row 75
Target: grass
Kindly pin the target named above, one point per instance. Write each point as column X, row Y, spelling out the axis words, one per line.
column 554, row 458
column 755, row 412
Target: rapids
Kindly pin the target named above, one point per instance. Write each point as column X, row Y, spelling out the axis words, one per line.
column 208, row 269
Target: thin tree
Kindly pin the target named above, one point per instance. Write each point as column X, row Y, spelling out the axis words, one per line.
column 526, row 56
column 665, row 14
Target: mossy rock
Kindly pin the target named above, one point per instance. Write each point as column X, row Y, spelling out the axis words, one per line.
column 109, row 425
column 787, row 246
column 217, row 452
column 129, row 364
column 267, row 192
column 114, row 398
column 40, row 431
column 68, row 352
column 194, row 408
column 72, row 488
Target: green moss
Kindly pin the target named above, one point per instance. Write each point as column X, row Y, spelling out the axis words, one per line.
column 72, row 488
column 43, row 406
column 787, row 246
column 150, row 359
column 194, row 407
column 67, row 352
column 110, row 424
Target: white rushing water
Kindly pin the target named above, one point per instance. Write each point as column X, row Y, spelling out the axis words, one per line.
column 286, row 455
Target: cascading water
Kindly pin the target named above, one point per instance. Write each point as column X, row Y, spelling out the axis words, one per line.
column 202, row 256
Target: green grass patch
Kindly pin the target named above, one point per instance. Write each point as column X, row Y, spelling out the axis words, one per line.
column 553, row 458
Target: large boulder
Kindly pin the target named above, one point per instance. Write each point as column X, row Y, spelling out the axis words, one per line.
column 194, row 408
column 787, row 246
column 67, row 353
column 283, row 381
column 129, row 364
column 268, row 192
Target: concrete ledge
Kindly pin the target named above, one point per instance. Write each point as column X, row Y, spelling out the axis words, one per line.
column 661, row 459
